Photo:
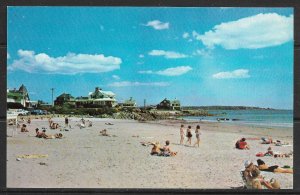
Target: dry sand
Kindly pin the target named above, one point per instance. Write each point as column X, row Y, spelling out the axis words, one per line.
column 84, row 159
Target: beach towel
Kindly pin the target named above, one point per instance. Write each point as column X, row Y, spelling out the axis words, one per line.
column 260, row 154
column 33, row 156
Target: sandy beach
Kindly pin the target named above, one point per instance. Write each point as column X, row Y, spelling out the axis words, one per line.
column 84, row 159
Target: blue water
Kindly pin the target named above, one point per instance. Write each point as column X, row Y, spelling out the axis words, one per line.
column 266, row 118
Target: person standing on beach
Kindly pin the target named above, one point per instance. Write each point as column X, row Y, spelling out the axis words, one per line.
column 181, row 134
column 189, row 135
column 197, row 132
column 66, row 122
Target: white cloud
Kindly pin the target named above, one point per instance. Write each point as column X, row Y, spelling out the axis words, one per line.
column 167, row 54
column 236, row 74
column 141, row 56
column 7, row 56
column 116, row 77
column 258, row 31
column 135, row 84
column 176, row 71
column 70, row 64
column 158, row 25
column 185, row 35
column 203, row 52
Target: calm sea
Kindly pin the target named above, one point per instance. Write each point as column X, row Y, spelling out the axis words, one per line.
column 271, row 118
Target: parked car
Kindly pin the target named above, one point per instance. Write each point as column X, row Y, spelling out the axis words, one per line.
column 37, row 112
column 19, row 112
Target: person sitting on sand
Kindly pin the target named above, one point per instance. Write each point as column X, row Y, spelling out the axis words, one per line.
column 189, row 135
column 38, row 133
column 275, row 168
column 269, row 152
column 255, row 181
column 156, row 150
column 54, row 125
column 104, row 132
column 267, row 141
column 24, row 129
column 90, row 124
column 29, row 121
column 165, row 151
column 242, row 144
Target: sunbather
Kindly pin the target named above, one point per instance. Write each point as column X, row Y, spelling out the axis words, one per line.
column 267, row 141
column 57, row 136
column 269, row 152
column 242, row 144
column 24, row 128
column 275, row 168
column 155, row 149
column 104, row 132
column 255, row 181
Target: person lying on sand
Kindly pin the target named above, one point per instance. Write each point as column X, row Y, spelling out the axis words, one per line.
column 109, row 124
column 282, row 155
column 104, row 132
column 156, row 149
column 40, row 134
column 267, row 141
column 275, row 168
column 24, row 128
column 255, row 181
column 242, row 144
column 57, row 136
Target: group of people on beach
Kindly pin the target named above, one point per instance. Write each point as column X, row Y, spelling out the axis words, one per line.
column 189, row 135
column 162, row 151
column 251, row 174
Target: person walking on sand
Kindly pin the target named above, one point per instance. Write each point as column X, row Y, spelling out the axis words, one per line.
column 197, row 132
column 181, row 134
column 189, row 135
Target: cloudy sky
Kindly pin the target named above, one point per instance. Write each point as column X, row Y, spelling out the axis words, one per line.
column 201, row 56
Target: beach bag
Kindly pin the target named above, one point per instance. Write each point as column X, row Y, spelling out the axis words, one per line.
column 260, row 154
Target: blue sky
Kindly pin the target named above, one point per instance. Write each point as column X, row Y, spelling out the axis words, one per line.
column 201, row 56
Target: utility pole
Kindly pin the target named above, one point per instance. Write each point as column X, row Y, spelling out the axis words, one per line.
column 52, row 89
column 145, row 104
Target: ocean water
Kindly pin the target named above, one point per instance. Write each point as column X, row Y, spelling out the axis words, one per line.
column 266, row 118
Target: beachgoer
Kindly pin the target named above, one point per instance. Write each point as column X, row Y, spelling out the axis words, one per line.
column 29, row 121
column 275, row 168
column 197, row 132
column 24, row 129
column 267, row 141
column 181, row 134
column 90, row 124
column 242, row 144
column 166, row 151
column 155, row 149
column 66, row 122
column 189, row 135
column 104, row 132
column 269, row 152
column 255, row 180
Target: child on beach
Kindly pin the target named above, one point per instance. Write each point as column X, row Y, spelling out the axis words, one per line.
column 181, row 134
column 24, row 129
column 155, row 149
column 197, row 132
column 189, row 135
